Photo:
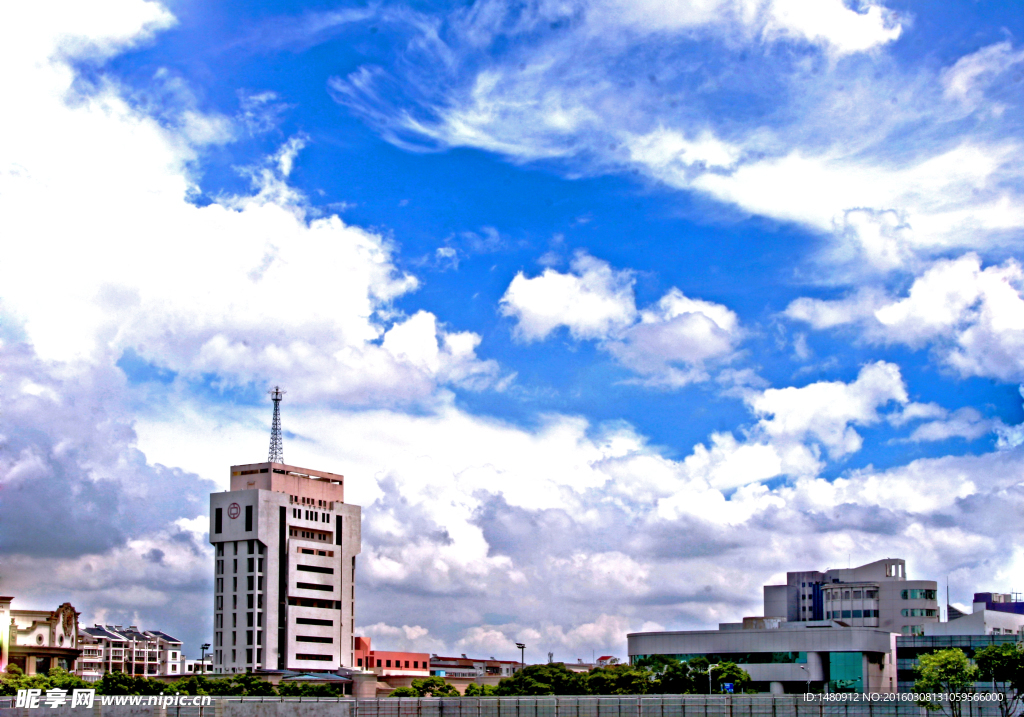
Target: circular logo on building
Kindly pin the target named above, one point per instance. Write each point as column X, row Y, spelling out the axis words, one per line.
column 234, row 510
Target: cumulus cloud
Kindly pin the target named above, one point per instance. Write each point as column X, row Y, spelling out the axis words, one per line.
column 825, row 412
column 124, row 538
column 592, row 301
column 667, row 344
column 471, row 513
column 131, row 274
column 972, row 316
column 256, row 287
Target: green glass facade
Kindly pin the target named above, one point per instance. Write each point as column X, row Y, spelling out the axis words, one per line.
column 846, row 672
column 910, row 648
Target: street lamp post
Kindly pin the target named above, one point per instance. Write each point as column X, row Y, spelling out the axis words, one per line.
column 202, row 657
column 522, row 653
column 709, row 676
column 808, row 672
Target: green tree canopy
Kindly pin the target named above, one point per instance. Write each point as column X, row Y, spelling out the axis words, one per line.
column 677, row 678
column 620, row 680
column 434, row 687
column 945, row 671
column 1004, row 666
column 475, row 690
column 537, row 680
column 404, row 692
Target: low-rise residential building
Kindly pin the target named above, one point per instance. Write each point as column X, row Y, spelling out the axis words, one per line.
column 37, row 640
column 472, row 668
column 113, row 648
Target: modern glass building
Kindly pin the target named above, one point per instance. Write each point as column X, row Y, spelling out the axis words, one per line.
column 783, row 657
column 910, row 648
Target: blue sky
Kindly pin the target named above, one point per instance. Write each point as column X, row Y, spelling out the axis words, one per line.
column 611, row 311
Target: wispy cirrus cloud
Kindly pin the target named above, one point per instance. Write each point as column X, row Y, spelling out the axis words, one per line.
column 608, row 87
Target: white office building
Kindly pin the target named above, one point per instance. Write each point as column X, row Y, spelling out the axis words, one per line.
column 876, row 595
column 284, row 584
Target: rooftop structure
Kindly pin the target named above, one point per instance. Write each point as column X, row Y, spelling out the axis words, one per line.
column 1000, row 602
column 876, row 595
column 390, row 664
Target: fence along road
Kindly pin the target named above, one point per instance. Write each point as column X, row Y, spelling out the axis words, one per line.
column 625, row 706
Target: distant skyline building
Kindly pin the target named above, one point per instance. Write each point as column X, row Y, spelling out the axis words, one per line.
column 876, row 595
column 999, row 602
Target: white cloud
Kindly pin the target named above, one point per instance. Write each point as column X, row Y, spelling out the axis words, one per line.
column 967, row 79
column 617, row 87
column 667, row 150
column 825, row 412
column 828, row 23
column 463, row 516
column 965, row 422
column 677, row 331
column 973, row 316
column 251, row 288
column 833, row 24
column 668, row 346
column 411, row 638
column 592, row 301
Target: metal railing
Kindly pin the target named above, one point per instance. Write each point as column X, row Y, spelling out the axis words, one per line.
column 561, row 706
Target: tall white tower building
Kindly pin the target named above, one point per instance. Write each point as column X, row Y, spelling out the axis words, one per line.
column 284, row 583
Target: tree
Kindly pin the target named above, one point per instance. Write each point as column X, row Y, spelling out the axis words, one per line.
column 121, row 683
column 1004, row 666
column 251, row 685
column 721, row 673
column 434, row 687
column 191, row 685
column 404, row 692
column 729, row 672
column 620, row 680
column 475, row 690
column 945, row 671
column 677, row 678
column 539, row 680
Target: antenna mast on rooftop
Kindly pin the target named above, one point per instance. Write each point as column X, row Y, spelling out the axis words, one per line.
column 276, row 442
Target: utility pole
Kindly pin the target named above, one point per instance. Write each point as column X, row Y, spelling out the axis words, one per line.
column 276, row 441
